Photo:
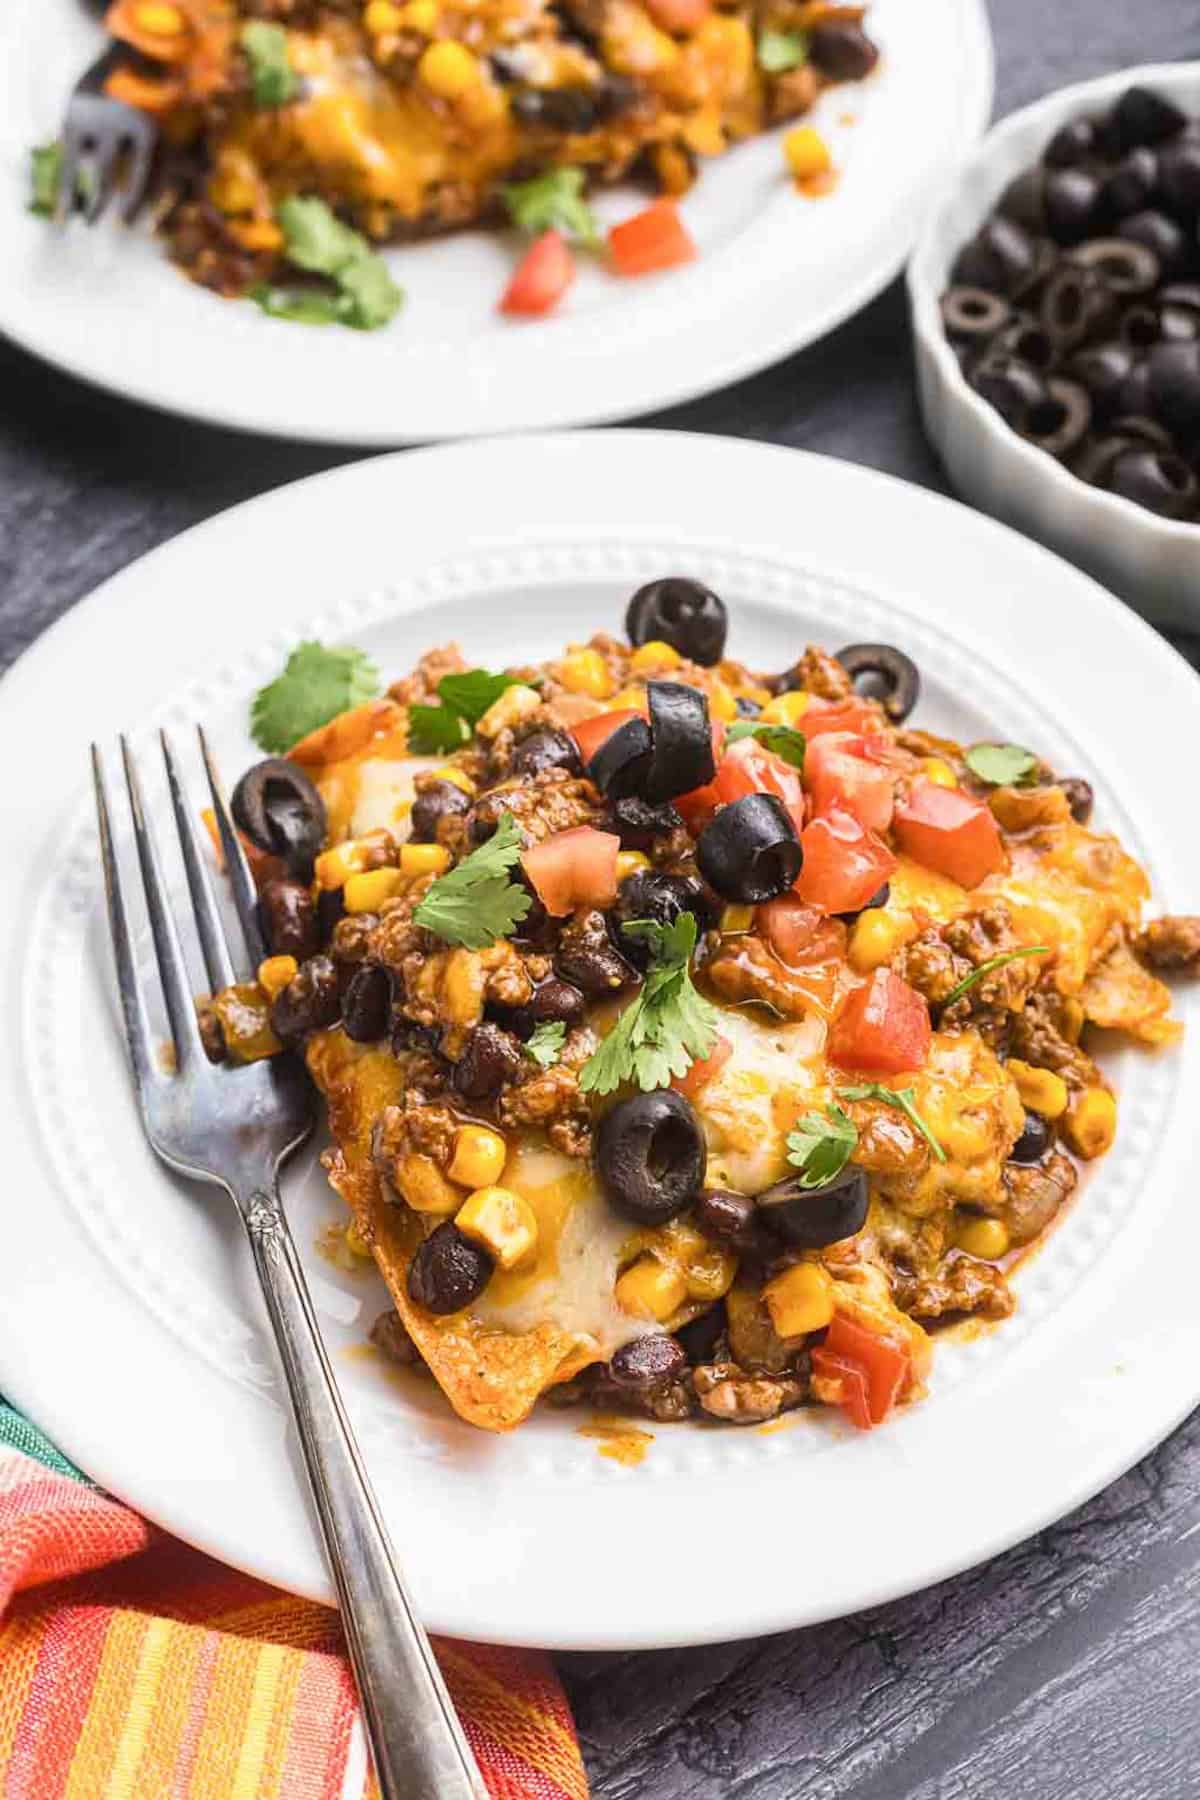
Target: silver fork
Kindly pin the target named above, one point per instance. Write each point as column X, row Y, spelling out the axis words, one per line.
column 234, row 1128
column 98, row 135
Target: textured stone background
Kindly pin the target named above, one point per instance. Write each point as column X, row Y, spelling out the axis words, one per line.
column 1064, row 1670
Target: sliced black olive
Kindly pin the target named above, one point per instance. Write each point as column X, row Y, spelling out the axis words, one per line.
column 1094, row 462
column 1130, row 185
column 649, row 894
column 746, row 707
column 558, row 109
column 1072, row 143
column 1000, row 257
column 1155, row 479
column 434, row 801
column 1179, row 179
column 280, row 810
column 1009, row 385
column 750, row 851
column 448, row 1270
column 1181, row 293
column 1072, row 204
column 1140, row 327
column 1034, row 1140
column 1123, row 265
column 1160, row 234
column 1134, row 397
column 1080, row 797
column 547, row 748
column 1024, row 199
column 1142, row 431
column 1076, row 304
column 810, row 1218
column 1060, row 423
column 1173, row 376
column 650, row 1156
column 1141, row 116
column 880, row 897
column 891, row 677
column 969, row 313
column 1102, row 369
column 681, row 735
column 637, row 823
column 681, row 612
column 698, row 1339
column 622, row 763
column 1025, row 339
column 1177, row 324
column 647, row 1363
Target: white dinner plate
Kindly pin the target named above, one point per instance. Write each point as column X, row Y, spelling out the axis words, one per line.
column 775, row 270
column 129, row 1328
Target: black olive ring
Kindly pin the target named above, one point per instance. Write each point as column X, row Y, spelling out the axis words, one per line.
column 280, row 810
column 899, row 672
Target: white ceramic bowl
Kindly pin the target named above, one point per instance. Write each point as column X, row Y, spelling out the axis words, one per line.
column 1153, row 563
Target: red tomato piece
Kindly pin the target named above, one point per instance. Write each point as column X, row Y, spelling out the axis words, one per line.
column 656, row 238
column 949, row 831
column 542, row 277
column 573, row 868
column 844, row 864
column 852, row 1380
column 697, row 807
column 883, row 1027
column 589, row 734
column 748, row 768
column 886, row 1364
column 799, row 933
column 820, row 716
column 841, row 769
column 678, row 15
column 703, row 1071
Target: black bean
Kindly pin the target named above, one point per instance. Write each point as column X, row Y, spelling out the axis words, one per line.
column 650, row 894
column 729, row 1217
column 557, row 1001
column 434, row 801
column 1034, row 1140
column 843, row 52
column 448, row 1271
column 547, row 748
column 587, row 956
column 492, row 1056
column 650, row 1156
column 367, row 1004
column 288, row 919
column 1080, row 797
column 637, row 823
column 309, row 1002
column 647, row 1363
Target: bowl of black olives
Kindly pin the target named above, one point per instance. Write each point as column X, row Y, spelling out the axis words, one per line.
column 1055, row 296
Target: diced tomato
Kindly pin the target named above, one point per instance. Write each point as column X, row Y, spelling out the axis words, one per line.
column 589, row 734
column 574, row 868
column 844, row 864
column 799, row 933
column 886, row 1364
column 852, row 1382
column 842, row 770
column 949, row 831
column 678, row 15
column 542, row 277
column 820, row 716
column 883, row 1027
column 702, row 1072
column 748, row 768
column 656, row 238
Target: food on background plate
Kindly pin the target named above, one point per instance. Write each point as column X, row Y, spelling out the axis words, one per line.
column 301, row 135
column 1075, row 309
column 694, row 1040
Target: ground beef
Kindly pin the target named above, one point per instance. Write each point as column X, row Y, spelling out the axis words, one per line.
column 888, row 1142
column 1033, row 1193
column 552, row 800
column 420, row 688
column 1171, row 945
column 1025, row 808
column 818, row 672
column 550, row 1100
column 941, row 957
column 1036, row 1037
column 960, row 1287
column 416, row 1126
column 744, row 969
column 730, row 1393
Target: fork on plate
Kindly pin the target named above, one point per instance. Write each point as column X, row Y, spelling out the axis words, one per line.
column 102, row 139
column 234, row 1128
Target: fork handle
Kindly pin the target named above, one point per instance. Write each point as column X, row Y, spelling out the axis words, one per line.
column 419, row 1749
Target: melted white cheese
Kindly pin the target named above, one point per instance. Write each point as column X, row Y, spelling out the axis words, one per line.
column 384, row 795
column 776, row 1072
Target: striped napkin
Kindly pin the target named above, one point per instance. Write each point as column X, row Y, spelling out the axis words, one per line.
column 134, row 1668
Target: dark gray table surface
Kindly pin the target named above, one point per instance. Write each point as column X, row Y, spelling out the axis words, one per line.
column 1064, row 1670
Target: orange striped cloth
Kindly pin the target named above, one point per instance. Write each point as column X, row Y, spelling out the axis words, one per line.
column 133, row 1668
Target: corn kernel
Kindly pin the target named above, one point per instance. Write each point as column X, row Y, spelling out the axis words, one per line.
column 448, row 69
column 246, row 1022
column 1041, row 1090
column 937, row 770
column 586, row 672
column 629, row 862
column 274, row 973
column 515, row 704
column 356, row 1243
column 806, row 153
column 367, row 892
column 376, row 850
column 464, row 980
column 424, row 1187
column 381, row 16
column 257, row 234
column 423, row 859
column 421, row 15
column 875, row 938
column 1071, row 1020
column 986, row 1238
column 630, row 699
column 479, row 1156
column 651, row 1289
column 800, row 1300
column 1091, row 1123
column 721, row 703
column 459, row 777
column 503, row 1222
column 161, row 20
column 785, row 709
column 654, row 655
column 232, row 187
column 736, row 920
column 710, row 1275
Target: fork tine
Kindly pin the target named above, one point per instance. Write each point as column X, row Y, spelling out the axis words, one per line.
column 104, row 175
column 172, row 969
column 137, row 174
column 68, row 175
column 245, row 894
column 133, row 1010
column 208, row 919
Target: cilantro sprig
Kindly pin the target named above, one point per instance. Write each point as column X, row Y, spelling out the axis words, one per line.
column 553, row 202
column 45, row 178
column 822, row 1144
column 985, row 968
column 781, row 740
column 546, row 1041
column 318, row 683
column 779, row 51
column 463, row 700
column 1001, row 765
column 904, row 1100
column 667, row 1027
column 475, row 903
column 272, row 78
column 363, row 295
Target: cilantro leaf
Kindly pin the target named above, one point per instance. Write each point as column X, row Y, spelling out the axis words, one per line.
column 904, row 1100
column 464, row 700
column 545, row 1044
column 304, row 306
column 553, row 201
column 779, row 51
column 985, row 968
column 471, row 693
column 45, row 178
column 370, row 298
column 271, row 74
column 1001, row 765
column 781, row 740
column 821, row 1146
column 475, row 903
column 667, row 1027
column 435, row 730
column 317, row 684
column 316, row 240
